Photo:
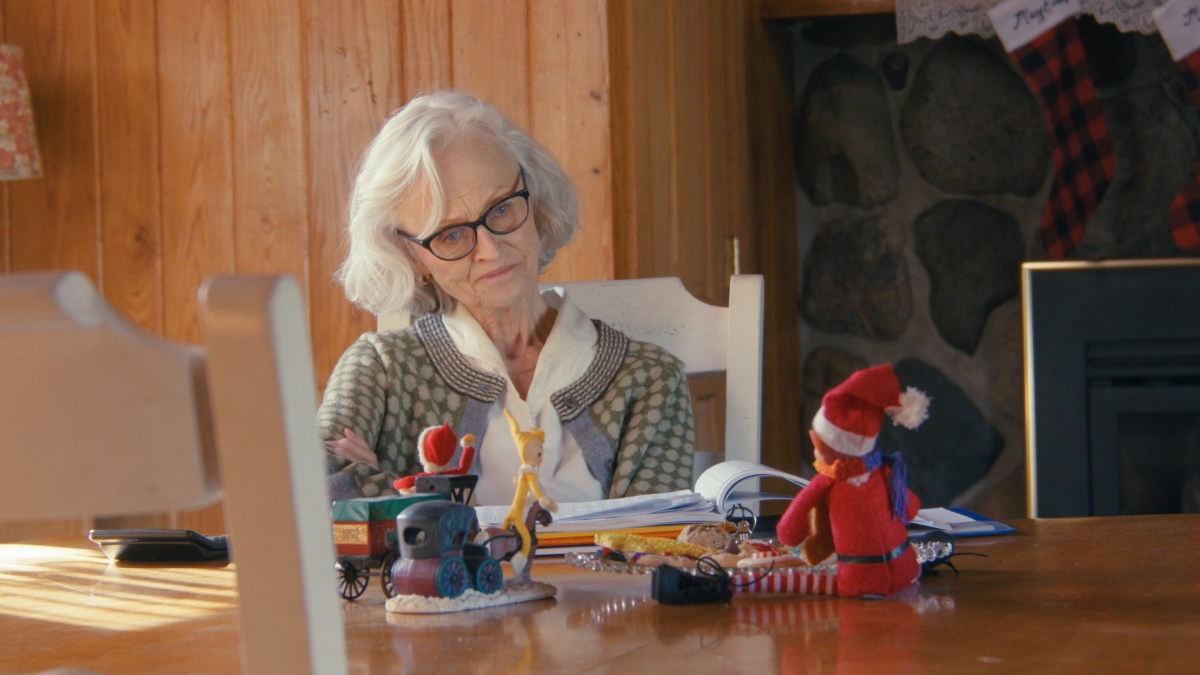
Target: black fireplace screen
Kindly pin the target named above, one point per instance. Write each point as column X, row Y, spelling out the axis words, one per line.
column 1112, row 379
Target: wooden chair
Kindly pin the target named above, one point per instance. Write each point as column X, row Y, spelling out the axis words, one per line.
column 103, row 419
column 709, row 339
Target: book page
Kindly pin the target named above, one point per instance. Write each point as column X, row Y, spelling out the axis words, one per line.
column 718, row 484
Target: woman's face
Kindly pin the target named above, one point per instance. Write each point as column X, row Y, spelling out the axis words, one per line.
column 501, row 270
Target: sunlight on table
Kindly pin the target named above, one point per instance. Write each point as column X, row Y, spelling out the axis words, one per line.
column 60, row 584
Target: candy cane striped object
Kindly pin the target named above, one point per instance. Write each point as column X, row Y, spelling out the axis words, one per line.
column 798, row 581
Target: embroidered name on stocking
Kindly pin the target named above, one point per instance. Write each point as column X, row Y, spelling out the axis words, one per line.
column 1043, row 39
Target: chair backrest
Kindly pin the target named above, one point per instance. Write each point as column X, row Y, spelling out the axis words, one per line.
column 98, row 417
column 103, row 419
column 708, row 338
column 277, row 505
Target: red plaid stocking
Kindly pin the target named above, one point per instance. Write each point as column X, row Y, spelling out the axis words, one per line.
column 1185, row 208
column 1177, row 21
column 1053, row 64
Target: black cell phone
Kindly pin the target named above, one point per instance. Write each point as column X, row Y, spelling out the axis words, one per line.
column 160, row 545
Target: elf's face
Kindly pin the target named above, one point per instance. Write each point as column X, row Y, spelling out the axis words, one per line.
column 823, row 452
column 532, row 453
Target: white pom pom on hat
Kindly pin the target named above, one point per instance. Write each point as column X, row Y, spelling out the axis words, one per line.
column 852, row 412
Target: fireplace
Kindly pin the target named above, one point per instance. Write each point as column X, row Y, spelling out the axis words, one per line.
column 1112, row 361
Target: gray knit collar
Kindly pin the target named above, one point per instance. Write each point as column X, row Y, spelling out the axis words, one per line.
column 461, row 375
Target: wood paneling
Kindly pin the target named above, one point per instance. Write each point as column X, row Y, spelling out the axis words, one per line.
column 701, row 154
column 4, row 217
column 690, row 238
column 569, row 115
column 129, row 184
column 678, row 130
column 54, row 222
column 270, row 174
column 197, row 156
column 639, row 54
column 489, row 44
column 797, row 9
column 425, row 41
column 353, row 83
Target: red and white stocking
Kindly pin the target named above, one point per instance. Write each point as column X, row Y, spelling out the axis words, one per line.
column 1043, row 38
column 1179, row 23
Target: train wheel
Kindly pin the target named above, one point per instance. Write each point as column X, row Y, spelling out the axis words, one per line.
column 385, row 574
column 351, row 582
column 451, row 578
column 489, row 578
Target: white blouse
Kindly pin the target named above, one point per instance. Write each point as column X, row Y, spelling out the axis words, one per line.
column 569, row 350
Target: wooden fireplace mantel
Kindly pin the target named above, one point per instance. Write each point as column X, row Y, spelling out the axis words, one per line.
column 799, row 9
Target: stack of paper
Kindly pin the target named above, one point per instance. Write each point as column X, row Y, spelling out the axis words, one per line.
column 683, row 506
column 958, row 522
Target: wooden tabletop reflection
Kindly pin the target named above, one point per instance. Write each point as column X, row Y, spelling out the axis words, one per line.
column 1099, row 594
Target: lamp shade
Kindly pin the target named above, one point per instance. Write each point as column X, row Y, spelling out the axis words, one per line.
column 18, row 146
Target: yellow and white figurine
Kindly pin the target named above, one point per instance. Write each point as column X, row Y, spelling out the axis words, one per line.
column 529, row 448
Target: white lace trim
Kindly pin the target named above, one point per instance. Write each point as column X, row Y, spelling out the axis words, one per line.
column 934, row 18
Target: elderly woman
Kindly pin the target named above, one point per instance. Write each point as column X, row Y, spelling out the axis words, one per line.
column 453, row 215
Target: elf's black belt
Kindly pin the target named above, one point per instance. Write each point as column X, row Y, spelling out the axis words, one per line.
column 890, row 555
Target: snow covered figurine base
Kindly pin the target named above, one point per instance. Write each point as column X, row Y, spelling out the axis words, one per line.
column 513, row 592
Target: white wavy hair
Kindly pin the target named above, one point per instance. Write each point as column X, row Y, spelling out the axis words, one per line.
column 379, row 273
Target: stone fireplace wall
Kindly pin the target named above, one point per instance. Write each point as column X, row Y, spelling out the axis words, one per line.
column 923, row 172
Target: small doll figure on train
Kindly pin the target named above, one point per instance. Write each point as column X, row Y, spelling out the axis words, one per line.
column 435, row 448
column 858, row 505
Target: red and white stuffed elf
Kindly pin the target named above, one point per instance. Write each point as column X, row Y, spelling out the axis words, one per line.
column 435, row 446
column 868, row 503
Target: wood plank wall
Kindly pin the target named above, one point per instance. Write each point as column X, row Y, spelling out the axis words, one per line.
column 702, row 155
column 186, row 138
column 680, row 140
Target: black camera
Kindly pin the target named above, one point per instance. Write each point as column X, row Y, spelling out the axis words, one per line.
column 673, row 586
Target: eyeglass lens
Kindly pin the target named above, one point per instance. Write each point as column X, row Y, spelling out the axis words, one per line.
column 502, row 218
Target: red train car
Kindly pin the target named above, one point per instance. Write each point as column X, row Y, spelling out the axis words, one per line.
column 364, row 537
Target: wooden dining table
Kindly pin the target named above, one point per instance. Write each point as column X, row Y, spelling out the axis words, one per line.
column 1093, row 595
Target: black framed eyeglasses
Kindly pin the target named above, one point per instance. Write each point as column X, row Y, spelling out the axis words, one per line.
column 454, row 242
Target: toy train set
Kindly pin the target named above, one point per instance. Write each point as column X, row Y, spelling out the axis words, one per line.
column 421, row 544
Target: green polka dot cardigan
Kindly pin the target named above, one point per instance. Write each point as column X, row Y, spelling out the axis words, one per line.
column 630, row 412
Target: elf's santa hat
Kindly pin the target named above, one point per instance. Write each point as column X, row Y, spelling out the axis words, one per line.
column 437, row 445
column 852, row 412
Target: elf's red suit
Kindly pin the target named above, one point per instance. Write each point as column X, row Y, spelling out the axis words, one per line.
column 863, row 493
column 860, row 517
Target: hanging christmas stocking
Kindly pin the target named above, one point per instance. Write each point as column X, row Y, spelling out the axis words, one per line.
column 1179, row 24
column 1043, row 39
